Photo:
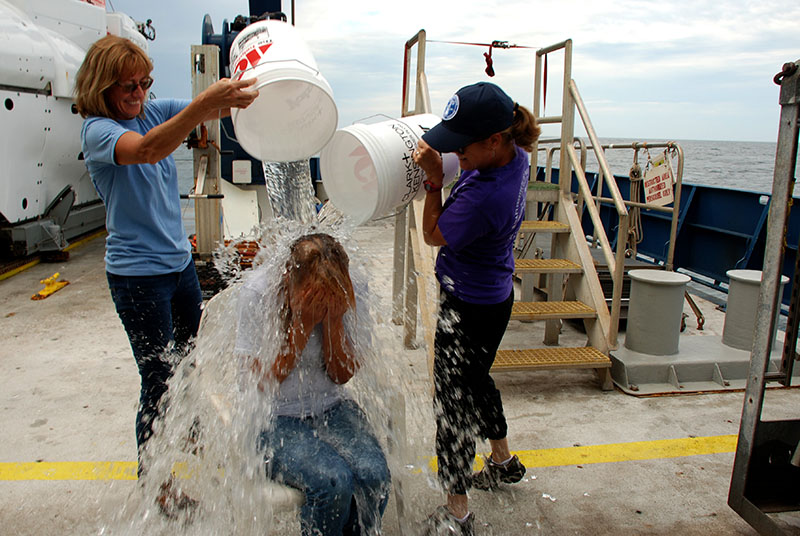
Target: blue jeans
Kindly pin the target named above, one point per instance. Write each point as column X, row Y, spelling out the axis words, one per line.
column 336, row 461
column 156, row 311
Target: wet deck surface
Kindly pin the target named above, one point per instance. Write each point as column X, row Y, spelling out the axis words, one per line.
column 599, row 462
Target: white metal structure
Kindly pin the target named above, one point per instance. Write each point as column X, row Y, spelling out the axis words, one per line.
column 46, row 196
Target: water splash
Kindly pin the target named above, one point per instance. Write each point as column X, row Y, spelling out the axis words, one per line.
column 203, row 451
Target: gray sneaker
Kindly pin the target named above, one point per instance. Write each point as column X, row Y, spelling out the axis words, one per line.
column 442, row 523
column 493, row 474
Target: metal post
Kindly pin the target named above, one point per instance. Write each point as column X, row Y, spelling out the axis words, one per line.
column 567, row 122
column 751, row 425
column 208, row 221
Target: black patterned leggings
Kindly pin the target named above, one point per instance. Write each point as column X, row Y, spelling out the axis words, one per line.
column 466, row 401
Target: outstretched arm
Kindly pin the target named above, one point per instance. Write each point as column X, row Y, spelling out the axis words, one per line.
column 161, row 141
column 431, row 163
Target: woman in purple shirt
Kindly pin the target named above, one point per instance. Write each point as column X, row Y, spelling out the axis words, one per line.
column 476, row 227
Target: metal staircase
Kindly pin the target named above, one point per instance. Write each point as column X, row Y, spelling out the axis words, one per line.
column 571, row 288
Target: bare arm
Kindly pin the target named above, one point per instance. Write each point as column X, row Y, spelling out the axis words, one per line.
column 340, row 360
column 283, row 364
column 216, row 101
column 431, row 163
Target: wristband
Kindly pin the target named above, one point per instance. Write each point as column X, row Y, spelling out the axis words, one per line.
column 430, row 187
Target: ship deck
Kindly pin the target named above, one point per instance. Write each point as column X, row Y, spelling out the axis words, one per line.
column 598, row 462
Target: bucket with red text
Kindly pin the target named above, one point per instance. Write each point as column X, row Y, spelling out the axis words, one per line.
column 294, row 115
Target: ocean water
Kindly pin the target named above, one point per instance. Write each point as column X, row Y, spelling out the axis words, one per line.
column 728, row 164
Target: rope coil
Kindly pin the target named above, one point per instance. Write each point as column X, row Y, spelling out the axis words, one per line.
column 635, row 234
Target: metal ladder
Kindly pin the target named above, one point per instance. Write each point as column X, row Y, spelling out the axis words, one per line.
column 574, row 290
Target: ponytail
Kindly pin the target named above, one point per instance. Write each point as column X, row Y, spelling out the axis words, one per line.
column 524, row 130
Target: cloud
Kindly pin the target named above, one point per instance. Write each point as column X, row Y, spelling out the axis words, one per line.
column 680, row 56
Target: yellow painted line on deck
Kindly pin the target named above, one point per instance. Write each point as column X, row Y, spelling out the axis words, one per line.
column 15, row 271
column 34, row 262
column 86, row 239
column 583, row 455
column 68, row 471
column 627, row 452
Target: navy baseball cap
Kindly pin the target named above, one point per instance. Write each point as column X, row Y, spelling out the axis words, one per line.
column 474, row 113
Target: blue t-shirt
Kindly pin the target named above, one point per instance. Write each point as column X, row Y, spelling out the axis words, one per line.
column 480, row 220
column 143, row 213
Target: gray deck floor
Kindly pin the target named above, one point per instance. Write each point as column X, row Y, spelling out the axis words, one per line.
column 69, row 387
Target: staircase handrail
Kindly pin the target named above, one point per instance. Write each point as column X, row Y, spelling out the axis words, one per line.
column 615, row 260
column 608, row 177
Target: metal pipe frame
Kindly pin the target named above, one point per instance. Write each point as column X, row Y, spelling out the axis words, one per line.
column 601, row 157
column 674, row 210
column 768, row 302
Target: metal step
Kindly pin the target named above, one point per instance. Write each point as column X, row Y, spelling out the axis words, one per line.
column 549, row 310
column 549, row 358
column 536, row 226
column 546, row 266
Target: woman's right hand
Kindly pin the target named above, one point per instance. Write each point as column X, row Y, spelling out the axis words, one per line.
column 317, row 301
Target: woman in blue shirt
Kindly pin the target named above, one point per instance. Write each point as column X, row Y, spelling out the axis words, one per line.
column 476, row 227
column 127, row 141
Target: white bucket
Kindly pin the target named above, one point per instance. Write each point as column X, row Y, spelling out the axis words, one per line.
column 368, row 170
column 294, row 115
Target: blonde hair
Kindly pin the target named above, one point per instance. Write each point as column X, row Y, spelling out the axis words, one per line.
column 524, row 129
column 107, row 60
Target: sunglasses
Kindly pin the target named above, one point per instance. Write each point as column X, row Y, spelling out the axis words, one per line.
column 462, row 150
column 130, row 87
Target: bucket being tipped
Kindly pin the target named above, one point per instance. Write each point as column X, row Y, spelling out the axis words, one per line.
column 367, row 170
column 294, row 115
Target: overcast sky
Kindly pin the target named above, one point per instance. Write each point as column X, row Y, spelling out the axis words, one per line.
column 656, row 71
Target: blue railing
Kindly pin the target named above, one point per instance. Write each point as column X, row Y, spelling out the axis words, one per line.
column 719, row 229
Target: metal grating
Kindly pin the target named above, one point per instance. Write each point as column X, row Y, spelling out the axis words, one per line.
column 536, row 226
column 542, row 266
column 550, row 358
column 546, row 310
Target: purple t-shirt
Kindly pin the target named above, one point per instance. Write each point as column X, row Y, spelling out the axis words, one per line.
column 480, row 220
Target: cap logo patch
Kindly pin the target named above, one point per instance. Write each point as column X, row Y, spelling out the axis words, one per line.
column 451, row 109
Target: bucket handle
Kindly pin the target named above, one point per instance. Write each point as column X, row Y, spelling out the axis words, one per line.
column 362, row 121
column 317, row 71
column 225, row 132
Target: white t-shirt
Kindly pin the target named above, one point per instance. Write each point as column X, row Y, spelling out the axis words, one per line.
column 307, row 390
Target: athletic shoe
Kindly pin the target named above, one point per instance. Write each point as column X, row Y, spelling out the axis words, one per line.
column 442, row 523
column 493, row 474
